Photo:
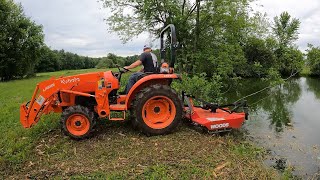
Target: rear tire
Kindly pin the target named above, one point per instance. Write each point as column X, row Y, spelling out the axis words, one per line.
column 78, row 122
column 157, row 110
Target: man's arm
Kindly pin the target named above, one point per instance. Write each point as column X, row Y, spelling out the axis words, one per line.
column 134, row 65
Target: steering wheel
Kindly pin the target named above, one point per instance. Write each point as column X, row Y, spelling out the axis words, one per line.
column 126, row 70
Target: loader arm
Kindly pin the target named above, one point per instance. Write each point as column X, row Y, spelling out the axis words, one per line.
column 46, row 96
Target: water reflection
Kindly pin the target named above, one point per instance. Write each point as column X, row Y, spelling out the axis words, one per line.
column 295, row 103
column 280, row 102
column 314, row 86
column 276, row 102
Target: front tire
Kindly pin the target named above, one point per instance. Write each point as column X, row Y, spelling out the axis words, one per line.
column 157, row 110
column 78, row 122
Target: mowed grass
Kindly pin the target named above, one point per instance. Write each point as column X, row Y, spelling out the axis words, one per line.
column 116, row 151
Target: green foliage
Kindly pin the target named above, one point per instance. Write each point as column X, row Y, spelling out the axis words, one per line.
column 289, row 58
column 130, row 59
column 104, row 63
column 20, row 42
column 260, row 57
column 274, row 77
column 313, row 60
column 286, row 29
column 246, row 149
column 111, row 61
column 291, row 61
column 224, row 28
column 146, row 16
column 22, row 51
column 201, row 86
column 221, row 37
column 53, row 60
column 49, row 61
column 287, row 174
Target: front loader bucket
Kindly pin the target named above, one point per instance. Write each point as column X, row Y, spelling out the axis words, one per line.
column 23, row 116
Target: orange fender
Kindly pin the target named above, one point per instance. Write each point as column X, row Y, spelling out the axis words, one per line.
column 148, row 80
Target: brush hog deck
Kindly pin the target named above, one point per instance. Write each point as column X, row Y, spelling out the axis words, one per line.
column 214, row 117
column 220, row 120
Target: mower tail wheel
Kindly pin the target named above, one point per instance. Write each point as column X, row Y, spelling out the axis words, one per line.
column 78, row 122
column 157, row 110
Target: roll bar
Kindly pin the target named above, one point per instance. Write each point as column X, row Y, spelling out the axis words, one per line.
column 173, row 44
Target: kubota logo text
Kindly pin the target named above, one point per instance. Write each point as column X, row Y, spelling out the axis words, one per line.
column 67, row 81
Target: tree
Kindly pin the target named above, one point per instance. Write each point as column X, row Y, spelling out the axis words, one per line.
column 104, row 63
column 291, row 61
column 53, row 60
column 89, row 62
column 112, row 61
column 313, row 60
column 21, row 41
column 211, row 33
column 49, row 61
column 220, row 37
column 260, row 56
column 147, row 16
column 224, row 28
column 285, row 30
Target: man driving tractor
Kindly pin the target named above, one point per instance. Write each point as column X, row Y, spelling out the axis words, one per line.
column 149, row 62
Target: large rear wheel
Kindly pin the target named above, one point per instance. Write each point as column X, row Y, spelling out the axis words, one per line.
column 157, row 110
column 78, row 122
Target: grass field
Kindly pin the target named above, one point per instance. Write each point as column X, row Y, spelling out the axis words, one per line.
column 117, row 151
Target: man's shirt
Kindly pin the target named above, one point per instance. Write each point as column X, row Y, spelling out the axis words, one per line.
column 149, row 61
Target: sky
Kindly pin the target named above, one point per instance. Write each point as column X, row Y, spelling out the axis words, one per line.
column 78, row 26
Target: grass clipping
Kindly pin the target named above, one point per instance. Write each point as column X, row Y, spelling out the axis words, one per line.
column 119, row 152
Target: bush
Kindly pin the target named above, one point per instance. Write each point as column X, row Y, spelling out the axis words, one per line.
column 201, row 87
column 260, row 57
column 105, row 63
column 291, row 61
column 313, row 60
column 111, row 61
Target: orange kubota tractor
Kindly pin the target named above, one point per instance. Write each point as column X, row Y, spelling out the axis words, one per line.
column 157, row 109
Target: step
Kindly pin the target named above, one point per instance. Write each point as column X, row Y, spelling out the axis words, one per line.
column 118, row 107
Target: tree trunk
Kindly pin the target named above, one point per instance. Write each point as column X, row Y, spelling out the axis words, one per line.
column 197, row 28
column 183, row 6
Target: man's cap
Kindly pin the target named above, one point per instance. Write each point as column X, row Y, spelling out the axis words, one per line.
column 146, row 47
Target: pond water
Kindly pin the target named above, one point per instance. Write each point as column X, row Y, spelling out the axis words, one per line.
column 286, row 121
